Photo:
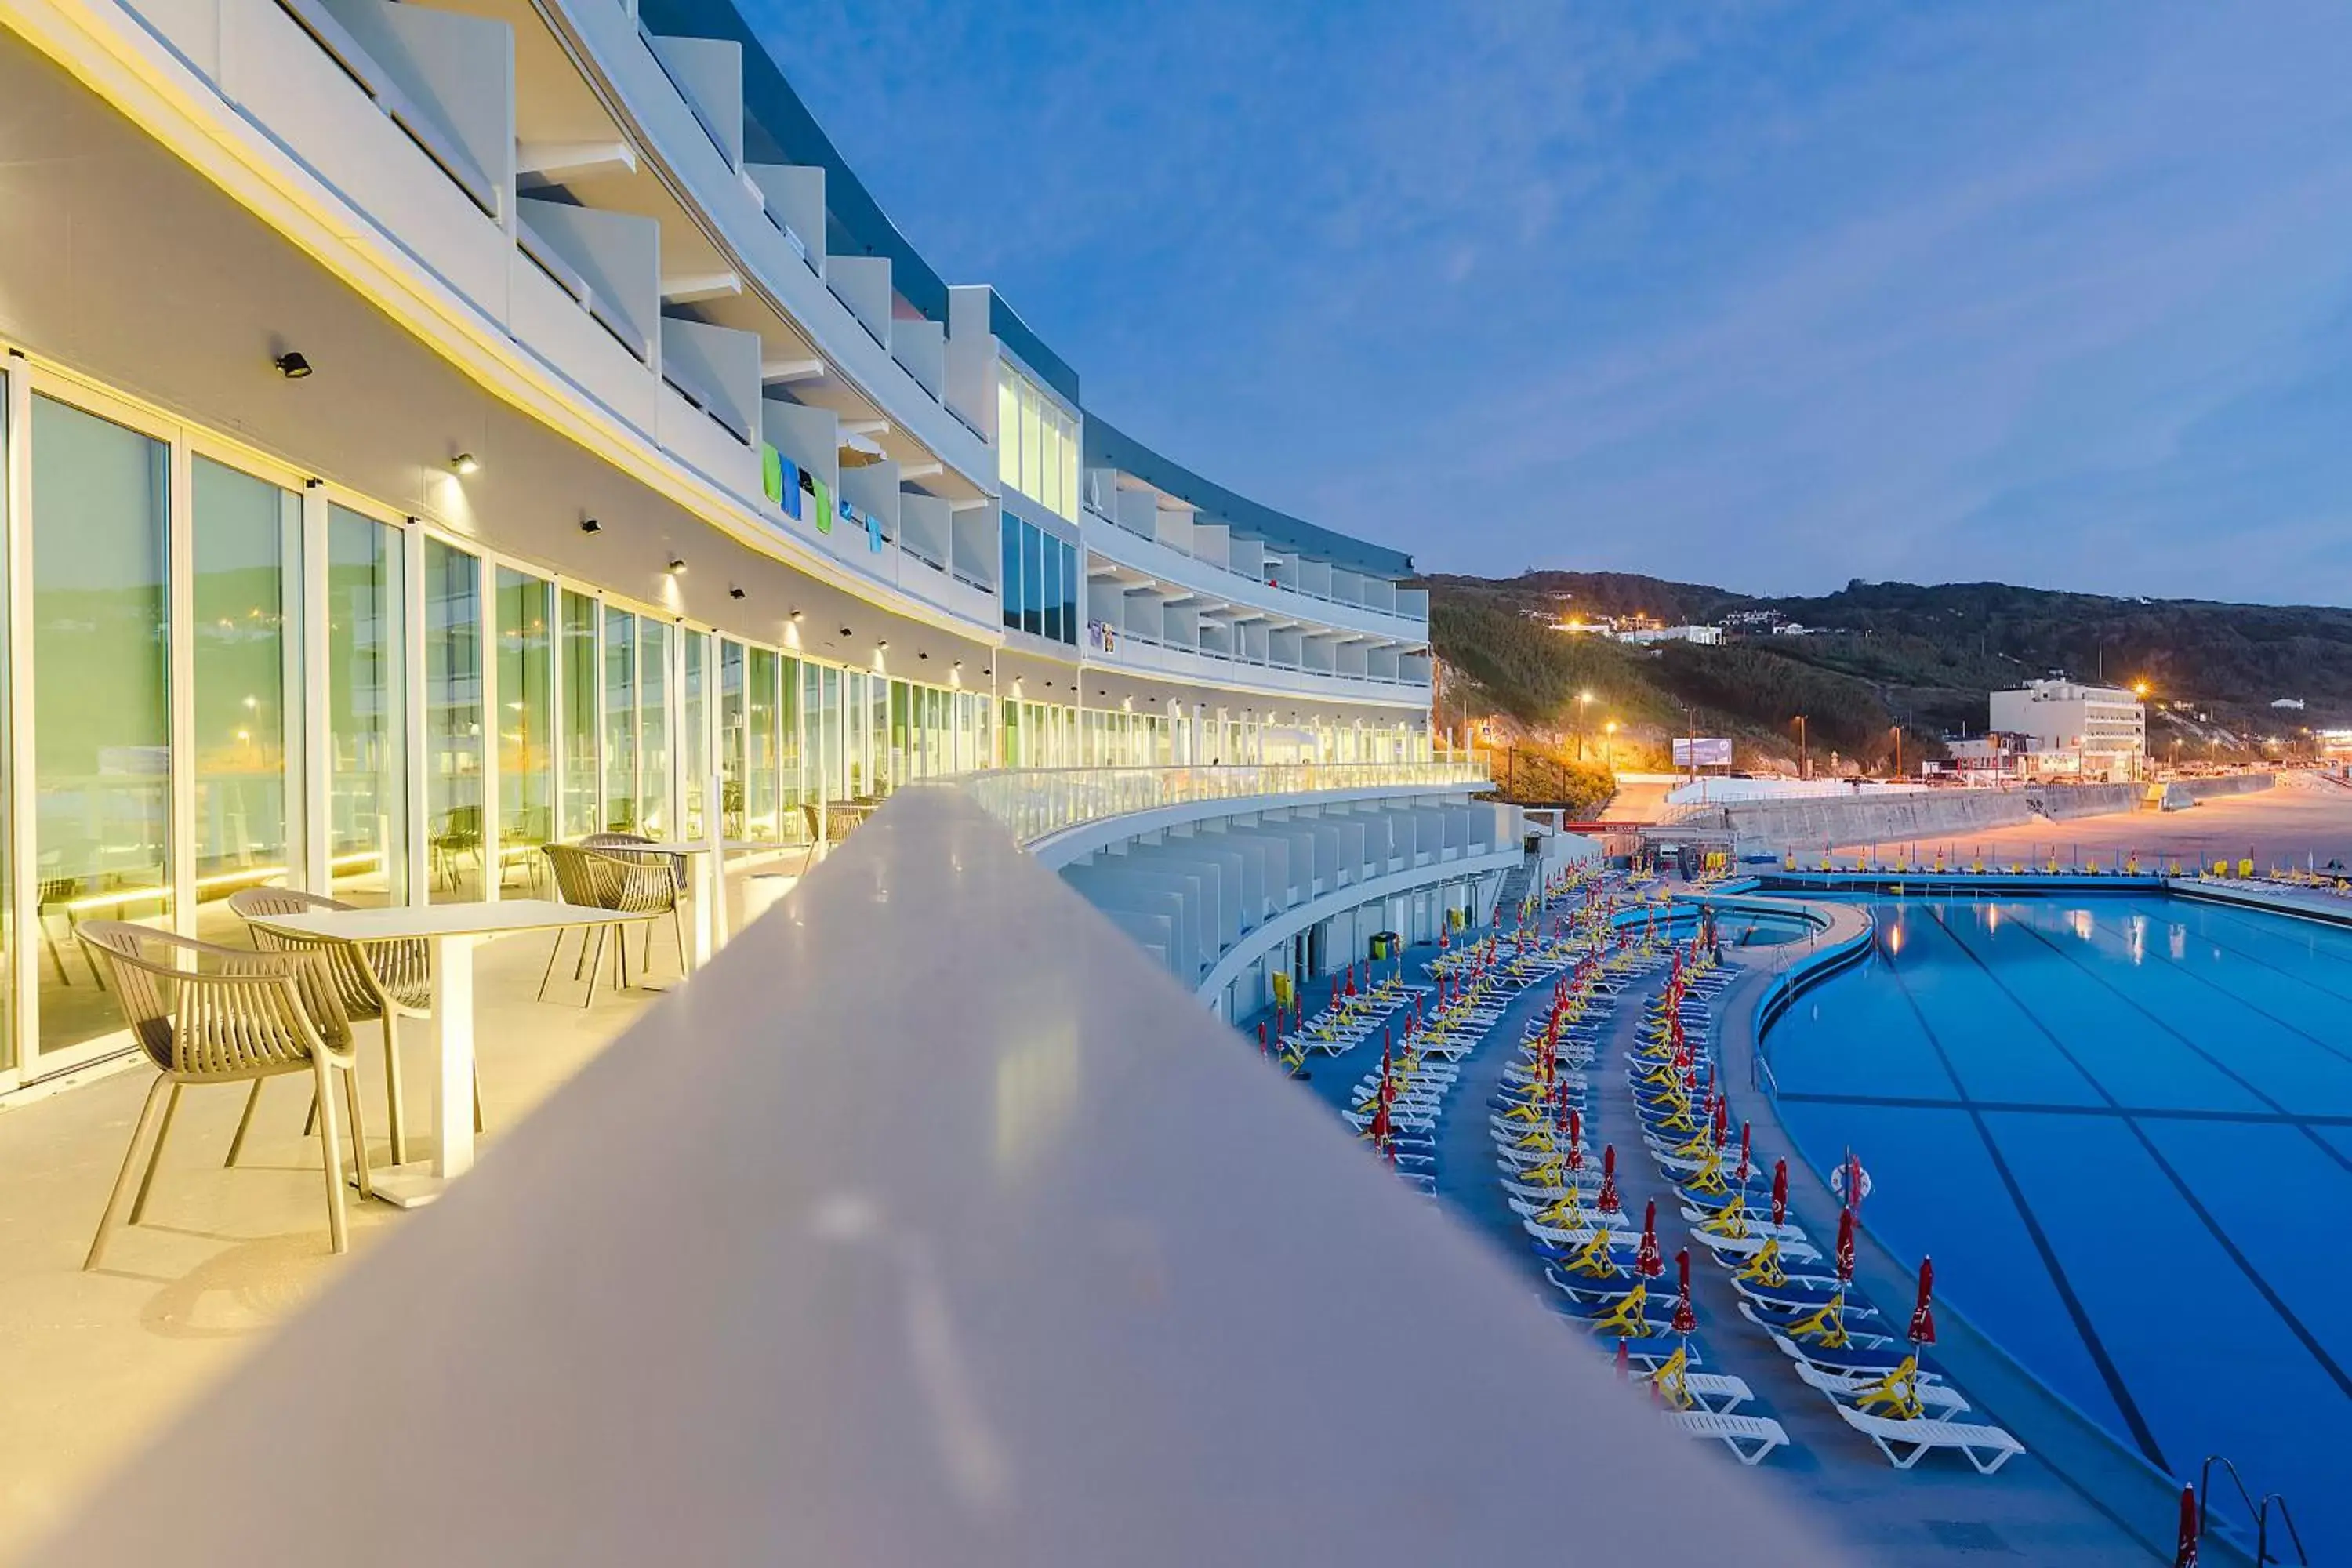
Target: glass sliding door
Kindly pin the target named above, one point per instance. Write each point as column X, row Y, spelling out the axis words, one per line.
column 100, row 644
column 760, row 819
column 853, row 715
column 620, row 721
column 7, row 765
column 792, row 764
column 459, row 862
column 526, row 749
column 879, row 778
column 577, row 731
column 653, row 729
column 734, row 773
column 247, row 629
column 693, row 731
column 367, row 705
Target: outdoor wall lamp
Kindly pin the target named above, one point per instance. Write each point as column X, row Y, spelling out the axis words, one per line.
column 292, row 366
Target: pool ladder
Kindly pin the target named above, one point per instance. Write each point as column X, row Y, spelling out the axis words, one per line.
column 2261, row 1511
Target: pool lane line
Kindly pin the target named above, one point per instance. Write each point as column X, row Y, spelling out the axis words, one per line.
column 2220, row 1233
column 2117, row 1389
column 2251, row 919
column 1937, row 921
column 2044, row 1108
column 2181, row 967
column 2325, row 1147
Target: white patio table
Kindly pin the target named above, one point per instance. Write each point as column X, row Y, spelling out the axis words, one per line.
column 450, row 933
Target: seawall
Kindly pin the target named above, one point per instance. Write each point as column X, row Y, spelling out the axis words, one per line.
column 1775, row 827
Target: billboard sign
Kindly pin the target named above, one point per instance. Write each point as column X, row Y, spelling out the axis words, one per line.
column 1706, row 752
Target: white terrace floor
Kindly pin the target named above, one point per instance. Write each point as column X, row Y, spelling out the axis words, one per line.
column 91, row 1363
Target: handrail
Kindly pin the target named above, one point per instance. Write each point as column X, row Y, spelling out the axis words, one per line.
column 2261, row 1512
column 1037, row 804
column 947, row 1262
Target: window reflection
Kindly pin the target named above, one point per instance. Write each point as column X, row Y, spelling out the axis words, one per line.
column 367, row 844
column 246, row 634
column 101, row 698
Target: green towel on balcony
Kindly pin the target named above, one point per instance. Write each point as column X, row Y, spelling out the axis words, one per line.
column 824, row 508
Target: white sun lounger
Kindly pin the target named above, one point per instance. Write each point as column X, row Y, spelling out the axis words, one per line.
column 1986, row 1448
column 1940, row 1397
column 1748, row 1436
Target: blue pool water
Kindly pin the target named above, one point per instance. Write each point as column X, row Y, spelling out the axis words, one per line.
column 2121, row 1126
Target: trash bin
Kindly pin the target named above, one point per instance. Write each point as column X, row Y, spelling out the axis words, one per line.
column 1385, row 943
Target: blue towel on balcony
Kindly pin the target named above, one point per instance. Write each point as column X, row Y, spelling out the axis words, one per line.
column 874, row 532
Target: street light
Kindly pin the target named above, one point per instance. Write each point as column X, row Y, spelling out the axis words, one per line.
column 1804, row 761
column 1583, row 727
column 1609, row 746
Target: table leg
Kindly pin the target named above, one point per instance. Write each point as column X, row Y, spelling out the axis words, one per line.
column 451, row 1023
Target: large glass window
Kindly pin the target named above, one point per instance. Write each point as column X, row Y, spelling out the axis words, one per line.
column 878, row 729
column 854, row 724
column 733, row 723
column 101, row 707
column 367, row 702
column 620, row 721
column 1036, row 443
column 453, row 723
column 1069, row 593
column 248, row 597
column 653, row 729
column 1051, row 552
column 526, row 724
column 7, row 797
column 1033, row 582
column 579, row 717
column 760, row 744
column 1008, row 575
column 693, row 730
column 828, row 732
column 794, row 772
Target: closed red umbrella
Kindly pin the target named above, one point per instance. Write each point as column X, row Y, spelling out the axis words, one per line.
column 1261, row 1036
column 1722, row 1119
column 2183, row 1556
column 1575, row 1141
column 1780, row 1191
column 1624, row 1362
column 1647, row 1260
column 1845, row 1247
column 1745, row 1130
column 1607, row 1200
column 1923, row 1315
column 1684, row 1319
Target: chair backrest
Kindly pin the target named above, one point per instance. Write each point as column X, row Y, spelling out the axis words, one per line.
column 628, row 841
column 596, row 879
column 202, row 1010
column 346, row 969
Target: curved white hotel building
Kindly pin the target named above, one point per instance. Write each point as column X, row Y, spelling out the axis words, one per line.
column 433, row 429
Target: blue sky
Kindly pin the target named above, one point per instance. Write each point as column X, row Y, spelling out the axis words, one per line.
column 1760, row 294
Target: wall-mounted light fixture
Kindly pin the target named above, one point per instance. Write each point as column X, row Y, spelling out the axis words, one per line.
column 291, row 365
column 796, row 614
column 677, row 566
column 590, row 525
column 466, row 463
column 733, row 592
column 882, row 645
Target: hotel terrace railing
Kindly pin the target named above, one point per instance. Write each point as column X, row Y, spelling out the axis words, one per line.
column 1039, row 803
column 929, row 1224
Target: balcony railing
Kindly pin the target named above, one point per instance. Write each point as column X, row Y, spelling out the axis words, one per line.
column 1039, row 803
column 930, row 1224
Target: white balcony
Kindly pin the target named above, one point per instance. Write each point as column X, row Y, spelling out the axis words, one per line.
column 1107, row 539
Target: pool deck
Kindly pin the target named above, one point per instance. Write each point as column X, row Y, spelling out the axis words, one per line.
column 1942, row 1512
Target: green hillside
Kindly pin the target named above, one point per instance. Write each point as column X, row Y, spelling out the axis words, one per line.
column 1877, row 656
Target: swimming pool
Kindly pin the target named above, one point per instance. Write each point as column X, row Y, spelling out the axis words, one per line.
column 2122, row 1125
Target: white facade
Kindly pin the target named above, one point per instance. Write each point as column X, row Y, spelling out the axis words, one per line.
column 2104, row 727
column 433, row 430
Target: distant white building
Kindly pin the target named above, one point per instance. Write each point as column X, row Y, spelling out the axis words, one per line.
column 2293, row 703
column 2105, row 728
column 1646, row 634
